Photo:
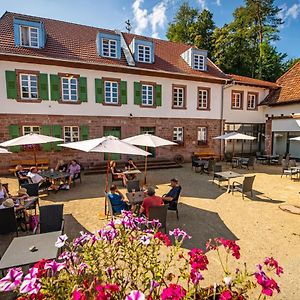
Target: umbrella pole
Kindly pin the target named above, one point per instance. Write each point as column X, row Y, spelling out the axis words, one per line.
column 145, row 171
column 232, row 148
column 34, row 153
column 106, row 181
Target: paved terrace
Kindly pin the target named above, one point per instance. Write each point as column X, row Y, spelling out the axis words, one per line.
column 207, row 211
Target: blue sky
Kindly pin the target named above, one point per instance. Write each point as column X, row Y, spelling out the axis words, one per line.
column 150, row 17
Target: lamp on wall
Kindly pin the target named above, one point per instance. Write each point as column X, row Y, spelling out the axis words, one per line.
column 130, row 115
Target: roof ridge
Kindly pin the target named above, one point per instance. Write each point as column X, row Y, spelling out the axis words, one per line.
column 288, row 71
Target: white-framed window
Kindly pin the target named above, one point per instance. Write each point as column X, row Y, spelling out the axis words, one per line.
column 178, row 134
column 69, row 89
column 28, row 86
column 199, row 62
column 178, row 97
column 144, row 53
column 29, row 36
column 202, row 135
column 109, row 48
column 203, row 98
column 147, row 95
column 71, row 134
column 30, row 129
column 236, row 101
column 111, row 95
column 252, row 101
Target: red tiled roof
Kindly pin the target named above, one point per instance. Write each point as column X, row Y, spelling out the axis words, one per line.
column 289, row 91
column 254, row 82
column 73, row 42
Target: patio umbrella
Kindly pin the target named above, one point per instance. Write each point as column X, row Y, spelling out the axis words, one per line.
column 30, row 139
column 148, row 140
column 297, row 138
column 108, row 144
column 234, row 136
column 4, row 151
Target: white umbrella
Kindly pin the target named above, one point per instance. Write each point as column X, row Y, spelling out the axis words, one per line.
column 148, row 140
column 30, row 139
column 297, row 138
column 4, row 151
column 234, row 136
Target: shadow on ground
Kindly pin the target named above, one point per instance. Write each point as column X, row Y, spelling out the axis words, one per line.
column 201, row 224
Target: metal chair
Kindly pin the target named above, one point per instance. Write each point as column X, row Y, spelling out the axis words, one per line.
column 245, row 187
column 195, row 164
column 248, row 162
column 8, row 221
column 159, row 213
column 32, row 189
column 173, row 205
column 133, row 185
column 51, row 218
column 277, row 161
column 286, row 168
column 209, row 167
column 217, row 169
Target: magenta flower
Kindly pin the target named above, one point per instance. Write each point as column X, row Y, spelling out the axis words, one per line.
column 268, row 284
column 31, row 284
column 178, row 233
column 108, row 234
column 198, row 260
column 82, row 239
column 195, row 276
column 153, row 285
column 173, row 292
column 12, row 280
column 61, row 240
column 230, row 246
column 271, row 263
column 135, row 295
column 81, row 268
column 54, row 266
column 140, row 220
column 128, row 223
column 145, row 240
column 155, row 224
column 225, row 295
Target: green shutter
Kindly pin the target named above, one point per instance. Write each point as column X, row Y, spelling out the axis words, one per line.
column 43, row 86
column 158, row 95
column 11, row 84
column 14, row 132
column 46, row 130
column 137, row 93
column 82, row 89
column 84, row 132
column 57, row 132
column 123, row 90
column 55, row 87
column 99, row 90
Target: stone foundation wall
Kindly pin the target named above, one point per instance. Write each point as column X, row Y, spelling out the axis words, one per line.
column 129, row 127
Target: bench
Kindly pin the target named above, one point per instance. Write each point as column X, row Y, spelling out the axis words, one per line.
column 42, row 164
column 205, row 155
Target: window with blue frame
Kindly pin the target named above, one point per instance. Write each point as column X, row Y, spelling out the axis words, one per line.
column 29, row 33
column 111, row 92
column 144, row 53
column 109, row 45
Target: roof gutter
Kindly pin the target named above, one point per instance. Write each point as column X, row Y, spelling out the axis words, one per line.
column 106, row 67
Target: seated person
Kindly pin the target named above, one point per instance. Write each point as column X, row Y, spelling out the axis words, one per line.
column 21, row 195
column 22, row 175
column 61, row 166
column 3, row 192
column 37, row 178
column 74, row 170
column 150, row 201
column 130, row 166
column 171, row 197
column 10, row 203
column 117, row 172
column 117, row 200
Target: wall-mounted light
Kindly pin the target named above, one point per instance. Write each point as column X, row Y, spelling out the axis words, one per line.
column 130, row 115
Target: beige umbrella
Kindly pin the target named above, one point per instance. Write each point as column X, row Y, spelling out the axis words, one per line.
column 4, row 151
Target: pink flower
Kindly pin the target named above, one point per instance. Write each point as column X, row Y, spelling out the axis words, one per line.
column 81, row 268
column 268, row 284
column 12, row 280
column 104, row 291
column 108, row 234
column 195, row 276
column 145, row 240
column 230, row 246
column 31, row 284
column 225, row 295
column 173, row 292
column 271, row 263
column 198, row 260
column 163, row 237
column 54, row 266
column 78, row 295
column 135, row 295
column 178, row 233
column 61, row 240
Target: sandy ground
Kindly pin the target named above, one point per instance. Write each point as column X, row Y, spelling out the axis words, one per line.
column 207, row 211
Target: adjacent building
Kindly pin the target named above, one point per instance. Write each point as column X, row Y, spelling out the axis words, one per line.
column 78, row 82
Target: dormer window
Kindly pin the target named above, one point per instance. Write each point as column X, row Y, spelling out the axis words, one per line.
column 29, row 34
column 199, row 62
column 109, row 48
column 144, row 53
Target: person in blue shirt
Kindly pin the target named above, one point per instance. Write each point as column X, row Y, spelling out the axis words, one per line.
column 171, row 198
column 117, row 200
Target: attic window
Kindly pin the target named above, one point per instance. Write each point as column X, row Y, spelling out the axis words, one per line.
column 199, row 62
column 144, row 53
column 29, row 36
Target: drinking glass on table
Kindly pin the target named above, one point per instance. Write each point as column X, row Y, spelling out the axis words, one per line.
column 133, row 192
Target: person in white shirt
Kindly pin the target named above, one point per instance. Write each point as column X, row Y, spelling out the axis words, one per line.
column 34, row 175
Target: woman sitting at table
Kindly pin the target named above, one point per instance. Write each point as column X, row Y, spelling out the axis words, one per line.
column 117, row 173
column 61, row 166
column 3, row 192
column 130, row 166
column 21, row 195
column 74, row 170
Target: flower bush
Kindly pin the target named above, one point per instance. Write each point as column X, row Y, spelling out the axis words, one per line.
column 131, row 259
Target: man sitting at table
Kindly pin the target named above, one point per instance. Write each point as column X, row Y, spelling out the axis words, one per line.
column 150, row 201
column 37, row 178
column 130, row 166
column 117, row 200
column 172, row 196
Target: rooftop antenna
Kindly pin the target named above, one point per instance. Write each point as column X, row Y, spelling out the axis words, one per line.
column 128, row 25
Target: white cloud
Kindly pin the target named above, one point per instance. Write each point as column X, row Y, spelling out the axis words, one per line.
column 140, row 16
column 202, row 4
column 289, row 13
column 218, row 2
column 157, row 18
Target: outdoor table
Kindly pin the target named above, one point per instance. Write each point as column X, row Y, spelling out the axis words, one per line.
column 135, row 197
column 54, row 175
column 18, row 254
column 268, row 158
column 227, row 175
column 132, row 172
column 201, row 163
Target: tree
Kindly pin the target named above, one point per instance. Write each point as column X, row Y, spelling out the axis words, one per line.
column 179, row 29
